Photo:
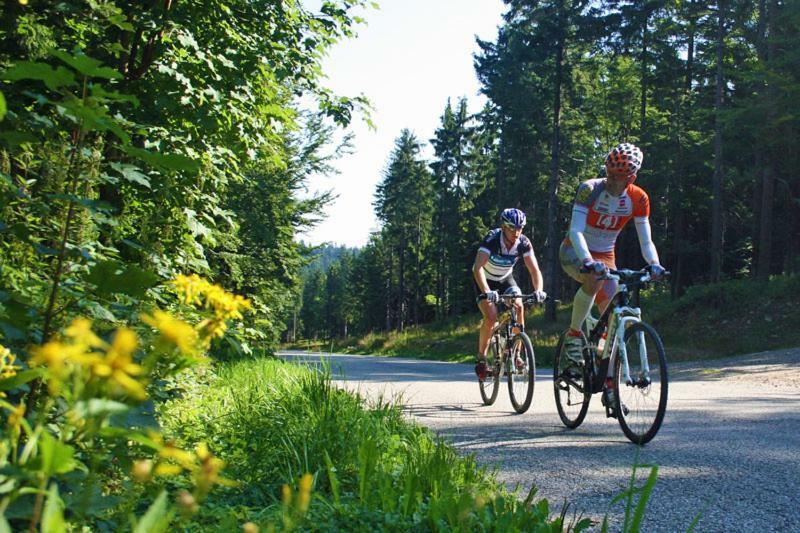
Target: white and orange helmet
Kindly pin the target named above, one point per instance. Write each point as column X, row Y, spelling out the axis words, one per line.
column 624, row 160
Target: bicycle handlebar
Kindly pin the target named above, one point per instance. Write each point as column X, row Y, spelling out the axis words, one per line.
column 528, row 299
column 624, row 274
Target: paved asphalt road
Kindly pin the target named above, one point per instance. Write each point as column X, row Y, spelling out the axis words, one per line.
column 729, row 448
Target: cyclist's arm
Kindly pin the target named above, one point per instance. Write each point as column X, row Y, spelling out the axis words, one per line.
column 646, row 240
column 576, row 228
column 481, row 258
column 533, row 268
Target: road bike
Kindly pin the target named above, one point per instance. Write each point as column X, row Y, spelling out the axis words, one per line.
column 635, row 352
column 510, row 353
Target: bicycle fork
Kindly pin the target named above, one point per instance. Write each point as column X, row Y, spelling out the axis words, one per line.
column 619, row 349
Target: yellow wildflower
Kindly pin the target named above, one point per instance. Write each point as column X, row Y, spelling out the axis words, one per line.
column 80, row 331
column 226, row 305
column 166, row 469
column 249, row 527
column 213, row 328
column 7, row 366
column 142, row 470
column 189, row 288
column 185, row 459
column 186, row 502
column 15, row 417
column 174, row 331
column 304, row 493
column 210, row 467
column 54, row 356
column 169, row 452
column 118, row 365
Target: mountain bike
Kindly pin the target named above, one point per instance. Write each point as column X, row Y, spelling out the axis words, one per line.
column 510, row 353
column 619, row 338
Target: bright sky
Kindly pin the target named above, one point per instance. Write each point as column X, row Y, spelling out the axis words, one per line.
column 409, row 58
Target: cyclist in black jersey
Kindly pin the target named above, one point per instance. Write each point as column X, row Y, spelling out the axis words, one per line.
column 493, row 271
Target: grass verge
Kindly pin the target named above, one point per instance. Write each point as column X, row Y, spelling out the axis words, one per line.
column 308, row 455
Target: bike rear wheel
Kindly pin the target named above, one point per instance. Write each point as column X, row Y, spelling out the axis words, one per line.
column 521, row 373
column 644, row 398
column 491, row 385
column 570, row 388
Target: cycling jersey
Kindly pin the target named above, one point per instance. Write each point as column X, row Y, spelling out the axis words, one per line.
column 501, row 258
column 607, row 214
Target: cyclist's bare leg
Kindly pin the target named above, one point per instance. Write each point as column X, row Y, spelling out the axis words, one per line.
column 489, row 312
column 520, row 310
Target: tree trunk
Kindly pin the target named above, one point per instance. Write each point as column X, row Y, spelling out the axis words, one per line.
column 401, row 307
column 643, row 87
column 553, row 268
column 716, row 203
column 684, row 113
column 389, row 292
column 764, row 258
column 792, row 262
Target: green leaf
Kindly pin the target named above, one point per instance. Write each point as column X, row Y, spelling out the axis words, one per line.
column 92, row 119
column 132, row 174
column 88, row 203
column 13, row 139
column 157, row 517
column 53, row 515
column 2, row 106
column 100, row 407
column 99, row 92
column 139, row 416
column 98, row 312
column 54, row 79
column 87, row 66
column 20, row 379
column 195, row 226
column 5, row 527
column 85, row 498
column 112, row 277
column 163, row 161
column 55, row 457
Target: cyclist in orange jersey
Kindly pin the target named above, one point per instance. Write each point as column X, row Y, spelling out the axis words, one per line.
column 602, row 208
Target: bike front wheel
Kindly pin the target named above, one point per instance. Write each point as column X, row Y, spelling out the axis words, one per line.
column 491, row 385
column 642, row 395
column 570, row 388
column 521, row 373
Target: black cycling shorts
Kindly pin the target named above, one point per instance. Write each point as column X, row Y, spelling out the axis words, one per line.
column 503, row 286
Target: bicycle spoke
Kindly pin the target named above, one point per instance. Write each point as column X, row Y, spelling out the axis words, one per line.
column 521, row 373
column 643, row 398
column 572, row 401
column 490, row 387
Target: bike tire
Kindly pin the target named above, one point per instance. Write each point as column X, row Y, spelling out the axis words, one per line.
column 521, row 381
column 645, row 399
column 490, row 387
column 572, row 396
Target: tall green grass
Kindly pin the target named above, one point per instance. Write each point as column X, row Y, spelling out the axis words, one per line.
column 273, row 422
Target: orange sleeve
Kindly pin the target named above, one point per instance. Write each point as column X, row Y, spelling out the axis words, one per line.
column 641, row 202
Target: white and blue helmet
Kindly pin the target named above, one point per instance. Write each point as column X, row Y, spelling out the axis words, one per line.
column 513, row 217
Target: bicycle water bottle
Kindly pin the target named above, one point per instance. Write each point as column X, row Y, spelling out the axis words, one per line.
column 601, row 343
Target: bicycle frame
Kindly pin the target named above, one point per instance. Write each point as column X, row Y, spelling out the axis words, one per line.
column 618, row 316
column 506, row 322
